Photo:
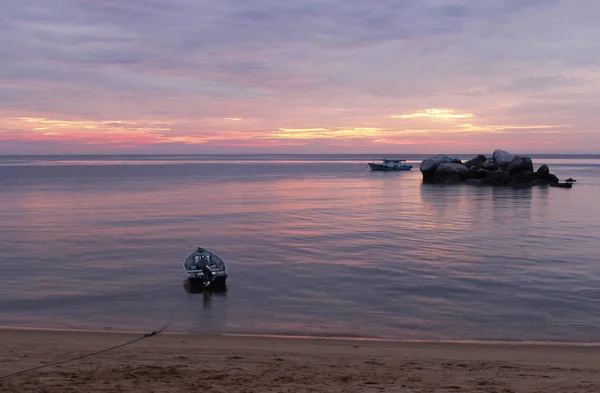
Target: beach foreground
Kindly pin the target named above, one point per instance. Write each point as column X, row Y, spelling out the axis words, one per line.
column 209, row 363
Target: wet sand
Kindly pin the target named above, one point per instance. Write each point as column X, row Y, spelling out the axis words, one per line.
column 209, row 363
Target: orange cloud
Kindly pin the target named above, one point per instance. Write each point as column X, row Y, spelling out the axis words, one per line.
column 330, row 133
column 43, row 124
column 435, row 114
column 499, row 128
column 152, row 132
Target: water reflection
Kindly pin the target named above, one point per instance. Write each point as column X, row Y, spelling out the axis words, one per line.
column 220, row 291
column 462, row 205
column 208, row 294
column 323, row 249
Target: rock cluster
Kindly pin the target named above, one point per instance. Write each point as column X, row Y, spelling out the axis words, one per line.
column 503, row 169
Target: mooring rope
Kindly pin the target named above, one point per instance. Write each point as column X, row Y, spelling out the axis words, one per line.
column 147, row 335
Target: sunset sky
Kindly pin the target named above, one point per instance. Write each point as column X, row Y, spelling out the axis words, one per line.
column 299, row 76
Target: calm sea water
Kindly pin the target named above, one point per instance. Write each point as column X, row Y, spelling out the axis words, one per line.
column 315, row 245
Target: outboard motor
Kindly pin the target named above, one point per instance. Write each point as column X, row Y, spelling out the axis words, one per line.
column 206, row 277
column 204, row 270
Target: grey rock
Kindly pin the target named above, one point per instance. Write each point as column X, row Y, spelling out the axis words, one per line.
column 475, row 173
column 429, row 166
column 522, row 179
column 476, row 162
column 502, row 159
column 503, row 169
column 543, row 171
column 520, row 164
column 489, row 165
column 432, row 163
column 450, row 172
column 452, row 167
column 497, row 178
column 481, row 173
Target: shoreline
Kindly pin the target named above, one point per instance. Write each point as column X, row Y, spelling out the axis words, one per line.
column 243, row 363
column 317, row 337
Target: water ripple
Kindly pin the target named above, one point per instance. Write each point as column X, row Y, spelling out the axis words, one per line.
column 314, row 247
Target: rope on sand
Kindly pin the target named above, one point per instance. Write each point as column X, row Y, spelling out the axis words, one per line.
column 147, row 335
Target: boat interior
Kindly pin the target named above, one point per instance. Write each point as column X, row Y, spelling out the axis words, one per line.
column 200, row 258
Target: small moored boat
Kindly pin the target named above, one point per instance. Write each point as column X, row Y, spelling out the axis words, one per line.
column 390, row 165
column 205, row 269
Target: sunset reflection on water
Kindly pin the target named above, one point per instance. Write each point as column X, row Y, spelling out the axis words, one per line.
column 322, row 248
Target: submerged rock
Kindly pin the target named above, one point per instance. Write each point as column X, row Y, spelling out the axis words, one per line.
column 540, row 183
column 561, row 185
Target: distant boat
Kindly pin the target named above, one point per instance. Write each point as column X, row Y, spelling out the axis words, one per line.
column 205, row 269
column 390, row 165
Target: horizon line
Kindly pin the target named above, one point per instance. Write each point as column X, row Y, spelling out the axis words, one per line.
column 276, row 154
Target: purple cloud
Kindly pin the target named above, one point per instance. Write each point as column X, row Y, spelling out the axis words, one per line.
column 311, row 63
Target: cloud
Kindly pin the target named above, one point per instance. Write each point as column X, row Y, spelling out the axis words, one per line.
column 333, row 65
column 435, row 114
column 545, row 82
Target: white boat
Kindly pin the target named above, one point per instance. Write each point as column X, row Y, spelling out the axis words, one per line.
column 205, row 269
column 390, row 165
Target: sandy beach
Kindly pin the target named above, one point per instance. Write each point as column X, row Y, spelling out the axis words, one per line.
column 209, row 363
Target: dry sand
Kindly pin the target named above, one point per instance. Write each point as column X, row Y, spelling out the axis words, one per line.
column 203, row 363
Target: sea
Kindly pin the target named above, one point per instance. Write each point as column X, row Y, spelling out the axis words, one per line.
column 316, row 245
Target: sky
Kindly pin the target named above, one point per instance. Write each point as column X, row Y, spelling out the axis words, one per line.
column 299, row 76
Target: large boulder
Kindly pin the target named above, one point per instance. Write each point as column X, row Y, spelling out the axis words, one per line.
column 502, row 159
column 471, row 174
column 474, row 173
column 476, row 162
column 502, row 169
column 450, row 172
column 543, row 171
column 520, row 164
column 429, row 166
column 489, row 165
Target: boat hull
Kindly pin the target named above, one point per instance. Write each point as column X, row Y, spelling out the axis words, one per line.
column 198, row 284
column 384, row 168
column 205, row 270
